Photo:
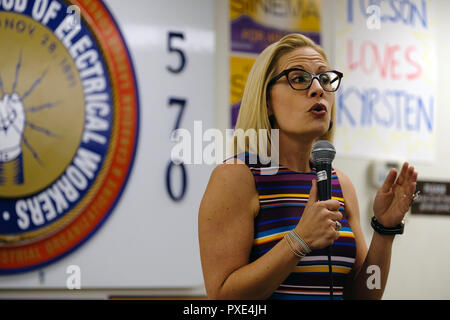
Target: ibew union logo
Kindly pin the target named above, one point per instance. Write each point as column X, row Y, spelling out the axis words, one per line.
column 68, row 127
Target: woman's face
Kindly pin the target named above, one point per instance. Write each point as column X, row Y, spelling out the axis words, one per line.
column 295, row 111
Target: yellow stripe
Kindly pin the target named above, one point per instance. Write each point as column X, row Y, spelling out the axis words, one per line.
column 280, row 235
column 336, row 269
column 269, row 238
column 346, row 234
column 293, row 195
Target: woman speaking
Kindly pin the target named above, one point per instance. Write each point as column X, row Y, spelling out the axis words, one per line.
column 267, row 235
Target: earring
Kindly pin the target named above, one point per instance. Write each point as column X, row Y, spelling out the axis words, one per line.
column 331, row 125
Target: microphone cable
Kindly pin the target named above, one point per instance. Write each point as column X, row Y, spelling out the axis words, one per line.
column 330, row 272
column 323, row 153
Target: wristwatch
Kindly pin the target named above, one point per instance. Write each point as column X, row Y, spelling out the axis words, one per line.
column 378, row 227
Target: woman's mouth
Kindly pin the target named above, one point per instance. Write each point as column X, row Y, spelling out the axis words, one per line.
column 318, row 109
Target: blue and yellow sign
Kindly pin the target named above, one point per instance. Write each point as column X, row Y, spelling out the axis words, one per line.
column 68, row 126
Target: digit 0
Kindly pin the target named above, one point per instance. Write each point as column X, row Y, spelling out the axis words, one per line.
column 173, row 196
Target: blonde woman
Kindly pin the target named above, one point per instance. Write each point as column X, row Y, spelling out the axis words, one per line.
column 266, row 236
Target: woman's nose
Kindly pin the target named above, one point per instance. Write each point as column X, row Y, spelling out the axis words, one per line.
column 315, row 89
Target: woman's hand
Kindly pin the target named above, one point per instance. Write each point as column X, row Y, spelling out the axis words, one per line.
column 394, row 198
column 317, row 227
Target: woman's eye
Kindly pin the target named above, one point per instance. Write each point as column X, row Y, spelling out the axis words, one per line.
column 299, row 79
column 325, row 78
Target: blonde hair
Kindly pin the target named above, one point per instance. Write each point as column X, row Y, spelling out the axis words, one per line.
column 253, row 111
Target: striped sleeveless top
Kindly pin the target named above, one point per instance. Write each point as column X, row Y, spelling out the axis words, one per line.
column 283, row 195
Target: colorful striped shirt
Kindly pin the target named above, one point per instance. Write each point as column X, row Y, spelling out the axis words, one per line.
column 283, row 195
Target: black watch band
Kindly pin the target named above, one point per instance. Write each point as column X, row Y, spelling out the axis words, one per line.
column 378, row 227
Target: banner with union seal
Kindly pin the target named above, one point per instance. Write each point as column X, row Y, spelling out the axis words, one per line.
column 69, row 120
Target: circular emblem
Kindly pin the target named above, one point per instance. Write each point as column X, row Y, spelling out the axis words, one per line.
column 68, row 127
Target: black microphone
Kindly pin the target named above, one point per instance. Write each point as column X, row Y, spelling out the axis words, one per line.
column 323, row 153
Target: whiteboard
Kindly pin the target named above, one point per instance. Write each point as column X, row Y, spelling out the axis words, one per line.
column 150, row 240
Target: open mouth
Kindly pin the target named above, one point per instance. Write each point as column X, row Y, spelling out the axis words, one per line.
column 318, row 109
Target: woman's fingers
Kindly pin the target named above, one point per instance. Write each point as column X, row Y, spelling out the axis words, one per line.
column 415, row 175
column 410, row 179
column 411, row 172
column 313, row 193
column 335, row 215
column 403, row 173
column 389, row 181
column 413, row 188
column 406, row 178
column 407, row 185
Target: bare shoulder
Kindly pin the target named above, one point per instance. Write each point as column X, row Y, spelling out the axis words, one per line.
column 235, row 175
column 231, row 185
column 349, row 192
column 345, row 181
column 234, row 169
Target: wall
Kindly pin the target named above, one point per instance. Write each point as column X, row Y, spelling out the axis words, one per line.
column 421, row 257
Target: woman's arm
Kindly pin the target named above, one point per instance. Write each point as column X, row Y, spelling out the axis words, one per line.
column 390, row 204
column 353, row 217
column 226, row 218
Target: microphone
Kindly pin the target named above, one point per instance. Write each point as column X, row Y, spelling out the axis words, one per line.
column 323, row 153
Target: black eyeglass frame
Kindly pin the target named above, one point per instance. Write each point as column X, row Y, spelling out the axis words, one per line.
column 286, row 72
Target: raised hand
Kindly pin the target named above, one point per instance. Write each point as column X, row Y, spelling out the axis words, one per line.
column 394, row 198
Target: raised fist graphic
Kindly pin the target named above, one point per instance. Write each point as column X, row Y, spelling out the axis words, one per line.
column 12, row 125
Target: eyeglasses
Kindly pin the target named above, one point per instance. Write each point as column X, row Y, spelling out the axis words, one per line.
column 300, row 79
